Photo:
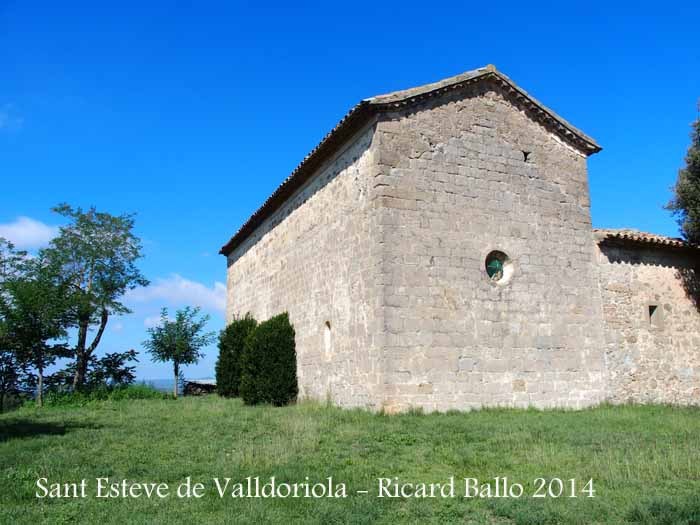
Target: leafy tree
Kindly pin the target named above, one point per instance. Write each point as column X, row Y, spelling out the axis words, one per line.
column 111, row 370
column 179, row 340
column 10, row 374
column 97, row 254
column 12, row 261
column 61, row 380
column 269, row 364
column 228, row 365
column 685, row 204
column 35, row 317
column 9, row 368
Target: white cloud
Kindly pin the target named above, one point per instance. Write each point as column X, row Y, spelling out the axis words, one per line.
column 175, row 290
column 117, row 327
column 28, row 233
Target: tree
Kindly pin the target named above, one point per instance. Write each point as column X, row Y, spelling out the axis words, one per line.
column 109, row 371
column 685, row 204
column 35, row 317
column 113, row 369
column 9, row 368
column 228, row 365
column 11, row 262
column 179, row 340
column 97, row 254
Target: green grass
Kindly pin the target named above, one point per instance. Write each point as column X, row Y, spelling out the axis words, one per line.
column 645, row 461
column 117, row 393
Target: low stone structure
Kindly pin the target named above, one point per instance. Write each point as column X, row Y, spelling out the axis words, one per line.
column 651, row 295
column 436, row 251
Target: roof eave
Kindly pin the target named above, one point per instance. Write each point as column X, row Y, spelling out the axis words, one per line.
column 348, row 125
column 622, row 238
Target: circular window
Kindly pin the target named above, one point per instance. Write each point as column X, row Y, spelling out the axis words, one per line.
column 499, row 267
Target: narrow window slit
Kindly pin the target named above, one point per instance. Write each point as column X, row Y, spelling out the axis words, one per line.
column 655, row 317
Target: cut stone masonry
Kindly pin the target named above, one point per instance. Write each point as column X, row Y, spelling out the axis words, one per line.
column 378, row 246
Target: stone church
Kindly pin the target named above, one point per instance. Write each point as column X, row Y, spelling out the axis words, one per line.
column 435, row 250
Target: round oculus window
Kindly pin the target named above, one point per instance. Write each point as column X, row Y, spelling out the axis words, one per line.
column 499, row 267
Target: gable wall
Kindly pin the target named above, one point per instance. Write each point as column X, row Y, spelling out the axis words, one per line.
column 454, row 186
column 313, row 258
column 650, row 362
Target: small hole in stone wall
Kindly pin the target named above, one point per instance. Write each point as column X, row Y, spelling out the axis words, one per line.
column 499, row 267
column 655, row 316
column 526, row 155
column 327, row 338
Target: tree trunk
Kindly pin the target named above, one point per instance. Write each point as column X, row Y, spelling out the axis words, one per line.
column 82, row 354
column 176, row 369
column 2, row 401
column 40, row 388
column 80, row 364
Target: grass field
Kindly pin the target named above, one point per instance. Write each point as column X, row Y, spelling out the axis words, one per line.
column 644, row 462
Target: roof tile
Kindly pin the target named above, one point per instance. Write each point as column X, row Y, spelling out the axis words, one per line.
column 635, row 236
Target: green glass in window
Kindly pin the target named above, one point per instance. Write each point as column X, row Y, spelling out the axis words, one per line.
column 494, row 268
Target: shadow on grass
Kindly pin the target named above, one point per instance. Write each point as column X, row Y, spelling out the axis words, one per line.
column 24, row 428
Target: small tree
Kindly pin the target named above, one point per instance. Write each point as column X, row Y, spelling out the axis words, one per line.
column 12, row 264
column 36, row 318
column 228, row 365
column 179, row 341
column 111, row 370
column 10, row 369
column 685, row 204
column 269, row 363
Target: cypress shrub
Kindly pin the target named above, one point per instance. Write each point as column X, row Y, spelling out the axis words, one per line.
column 228, row 365
column 269, row 364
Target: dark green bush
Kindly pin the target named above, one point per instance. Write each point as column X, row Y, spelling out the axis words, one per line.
column 228, row 365
column 269, row 364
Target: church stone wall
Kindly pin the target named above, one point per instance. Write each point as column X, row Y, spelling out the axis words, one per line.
column 455, row 184
column 652, row 324
column 315, row 258
column 380, row 261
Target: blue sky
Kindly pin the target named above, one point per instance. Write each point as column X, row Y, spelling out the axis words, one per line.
column 191, row 116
